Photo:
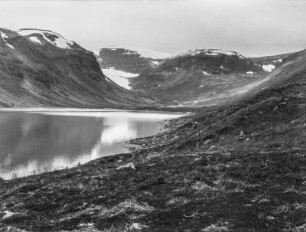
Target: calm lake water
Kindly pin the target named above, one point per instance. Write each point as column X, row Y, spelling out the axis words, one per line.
column 40, row 141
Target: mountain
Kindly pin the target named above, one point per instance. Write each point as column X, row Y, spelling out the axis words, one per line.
column 236, row 166
column 128, row 60
column 121, row 65
column 42, row 68
column 189, row 78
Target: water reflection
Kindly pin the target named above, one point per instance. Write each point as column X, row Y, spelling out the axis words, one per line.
column 32, row 142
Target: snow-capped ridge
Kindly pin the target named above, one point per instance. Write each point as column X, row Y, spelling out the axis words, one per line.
column 142, row 52
column 210, row 52
column 50, row 36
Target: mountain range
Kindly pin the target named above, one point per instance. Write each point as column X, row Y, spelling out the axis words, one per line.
column 189, row 79
column 42, row 68
column 237, row 163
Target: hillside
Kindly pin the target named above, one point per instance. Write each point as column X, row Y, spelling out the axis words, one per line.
column 237, row 166
column 41, row 68
column 128, row 60
column 121, row 65
column 190, row 78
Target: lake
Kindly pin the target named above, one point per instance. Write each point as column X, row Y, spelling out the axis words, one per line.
column 39, row 140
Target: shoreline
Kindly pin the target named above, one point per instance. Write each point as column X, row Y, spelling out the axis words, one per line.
column 157, row 109
column 169, row 181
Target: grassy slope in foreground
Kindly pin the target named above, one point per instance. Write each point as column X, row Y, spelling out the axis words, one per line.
column 239, row 167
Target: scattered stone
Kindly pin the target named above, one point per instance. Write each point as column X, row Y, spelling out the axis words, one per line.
column 264, row 200
column 208, row 141
column 137, row 226
column 129, row 165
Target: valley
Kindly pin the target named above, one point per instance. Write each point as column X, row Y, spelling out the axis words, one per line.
column 235, row 163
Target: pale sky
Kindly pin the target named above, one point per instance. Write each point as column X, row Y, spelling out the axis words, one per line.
column 252, row 27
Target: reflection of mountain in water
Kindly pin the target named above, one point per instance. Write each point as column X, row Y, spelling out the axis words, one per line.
column 118, row 130
column 35, row 142
column 30, row 137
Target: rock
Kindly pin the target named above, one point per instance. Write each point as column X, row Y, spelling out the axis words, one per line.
column 137, row 226
column 208, row 141
column 129, row 165
column 264, row 200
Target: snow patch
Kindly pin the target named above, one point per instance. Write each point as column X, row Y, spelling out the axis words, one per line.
column 155, row 63
column 4, row 38
column 97, row 52
column 57, row 40
column 63, row 43
column 35, row 39
column 268, row 67
column 3, row 35
column 278, row 61
column 119, row 77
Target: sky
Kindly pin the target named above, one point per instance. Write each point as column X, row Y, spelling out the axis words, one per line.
column 251, row 27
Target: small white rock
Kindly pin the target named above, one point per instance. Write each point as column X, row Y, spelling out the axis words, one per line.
column 129, row 165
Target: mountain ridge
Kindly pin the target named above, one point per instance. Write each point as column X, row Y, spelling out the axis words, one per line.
column 188, row 78
column 55, row 72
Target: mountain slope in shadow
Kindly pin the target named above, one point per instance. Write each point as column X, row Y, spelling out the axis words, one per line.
column 41, row 68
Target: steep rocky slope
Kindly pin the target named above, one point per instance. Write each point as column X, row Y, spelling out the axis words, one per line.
column 238, row 166
column 41, row 68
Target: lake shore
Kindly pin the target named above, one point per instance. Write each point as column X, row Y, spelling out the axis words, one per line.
column 159, row 188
